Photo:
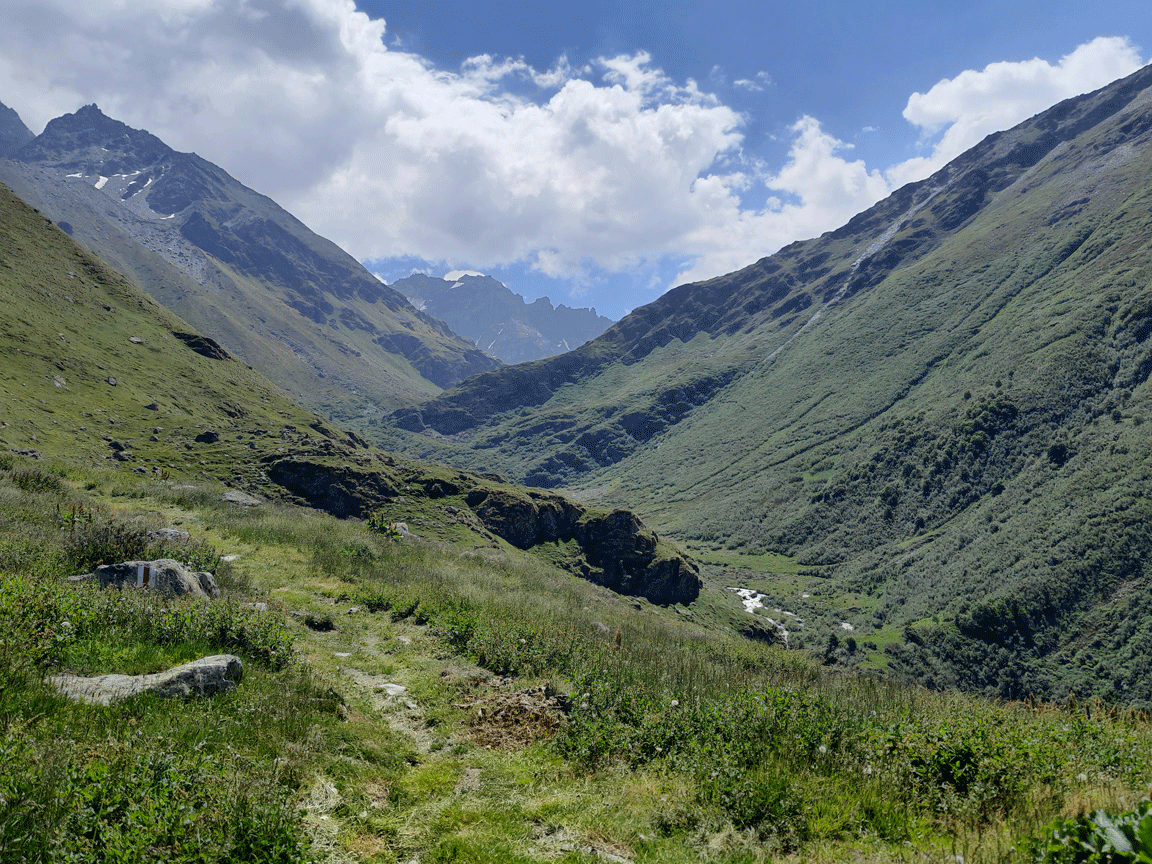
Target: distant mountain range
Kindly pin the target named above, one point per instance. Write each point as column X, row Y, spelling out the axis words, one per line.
column 500, row 322
column 934, row 413
column 236, row 266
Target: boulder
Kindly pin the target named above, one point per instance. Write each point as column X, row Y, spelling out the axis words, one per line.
column 164, row 574
column 207, row 676
column 235, row 496
column 340, row 490
column 174, row 536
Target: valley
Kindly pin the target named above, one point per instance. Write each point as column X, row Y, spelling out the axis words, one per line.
column 838, row 557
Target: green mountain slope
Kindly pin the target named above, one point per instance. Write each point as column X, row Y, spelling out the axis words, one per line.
column 238, row 267
column 97, row 372
column 933, row 411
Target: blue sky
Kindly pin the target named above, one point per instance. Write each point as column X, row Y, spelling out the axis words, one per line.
column 597, row 152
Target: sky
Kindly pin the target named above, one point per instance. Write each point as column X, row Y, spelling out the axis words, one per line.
column 598, row 152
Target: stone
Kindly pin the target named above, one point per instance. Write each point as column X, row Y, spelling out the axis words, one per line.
column 170, row 535
column 165, row 574
column 761, row 631
column 235, row 496
column 208, row 437
column 111, row 380
column 207, row 676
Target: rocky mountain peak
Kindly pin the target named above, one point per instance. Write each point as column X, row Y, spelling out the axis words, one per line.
column 90, row 142
column 500, row 321
column 13, row 133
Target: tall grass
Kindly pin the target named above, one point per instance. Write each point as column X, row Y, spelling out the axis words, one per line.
column 774, row 745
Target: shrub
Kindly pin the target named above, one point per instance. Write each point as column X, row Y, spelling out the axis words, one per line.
column 1098, row 839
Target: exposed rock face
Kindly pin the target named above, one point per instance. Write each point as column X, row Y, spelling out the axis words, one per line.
column 760, row 630
column 13, row 133
column 207, row 676
column 618, row 551
column 341, row 491
column 630, row 560
column 525, row 520
column 165, row 574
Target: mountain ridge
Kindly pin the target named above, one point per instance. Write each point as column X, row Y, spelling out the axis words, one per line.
column 500, row 322
column 889, row 406
column 238, row 266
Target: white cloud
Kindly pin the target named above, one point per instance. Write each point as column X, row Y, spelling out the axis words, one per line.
column 762, row 80
column 601, row 168
column 822, row 188
column 966, row 109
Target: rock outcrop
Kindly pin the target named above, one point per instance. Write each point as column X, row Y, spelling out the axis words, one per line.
column 207, row 676
column 165, row 574
column 617, row 551
column 339, row 490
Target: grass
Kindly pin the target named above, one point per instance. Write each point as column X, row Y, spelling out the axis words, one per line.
column 438, row 698
column 680, row 743
column 960, row 441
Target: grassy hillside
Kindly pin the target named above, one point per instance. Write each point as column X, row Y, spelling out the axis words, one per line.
column 933, row 414
column 405, row 700
column 239, row 268
column 438, row 695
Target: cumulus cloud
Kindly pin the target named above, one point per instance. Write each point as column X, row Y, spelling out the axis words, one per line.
column 604, row 167
column 963, row 110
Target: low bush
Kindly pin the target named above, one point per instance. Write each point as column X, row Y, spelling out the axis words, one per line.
column 1098, row 839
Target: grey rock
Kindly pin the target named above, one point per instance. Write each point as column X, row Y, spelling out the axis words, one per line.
column 235, row 496
column 111, row 380
column 207, row 676
column 170, row 535
column 165, row 574
column 32, row 454
column 135, row 340
column 208, row 437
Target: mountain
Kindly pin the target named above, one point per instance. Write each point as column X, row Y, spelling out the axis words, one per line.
column 923, row 429
column 13, row 133
column 238, row 267
column 500, row 322
column 96, row 372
